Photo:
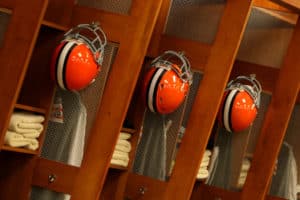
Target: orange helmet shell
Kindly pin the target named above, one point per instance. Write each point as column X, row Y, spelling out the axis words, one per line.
column 78, row 58
column 164, row 90
column 237, row 111
column 73, row 66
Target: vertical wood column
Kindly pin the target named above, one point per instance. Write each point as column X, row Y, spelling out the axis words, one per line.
column 15, row 53
column 117, row 94
column 205, row 108
column 275, row 123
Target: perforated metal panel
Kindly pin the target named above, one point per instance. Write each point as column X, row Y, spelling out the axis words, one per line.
column 116, row 6
column 256, row 127
column 60, row 135
column 174, row 134
column 152, row 147
column 195, row 19
column 91, row 96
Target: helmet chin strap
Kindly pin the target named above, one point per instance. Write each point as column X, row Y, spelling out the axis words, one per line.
column 184, row 71
column 96, row 45
column 254, row 89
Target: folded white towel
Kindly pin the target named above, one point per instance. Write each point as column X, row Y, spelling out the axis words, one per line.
column 241, row 182
column 243, row 174
column 124, row 143
column 117, row 155
column 122, row 148
column 212, row 164
column 205, row 159
column 203, row 168
column 204, row 164
column 119, row 162
column 207, row 153
column 202, row 174
column 27, row 117
column 33, row 144
column 27, row 124
column 17, row 140
column 245, row 165
column 124, row 136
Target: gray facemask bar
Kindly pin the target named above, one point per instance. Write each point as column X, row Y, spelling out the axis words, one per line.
column 163, row 61
column 96, row 45
column 254, row 89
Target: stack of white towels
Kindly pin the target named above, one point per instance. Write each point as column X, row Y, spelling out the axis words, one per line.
column 203, row 170
column 24, row 130
column 244, row 171
column 120, row 156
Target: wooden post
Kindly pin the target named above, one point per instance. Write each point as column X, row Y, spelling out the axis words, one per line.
column 202, row 117
column 275, row 123
column 118, row 91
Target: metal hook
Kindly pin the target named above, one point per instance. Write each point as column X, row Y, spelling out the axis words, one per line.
column 51, row 178
column 142, row 190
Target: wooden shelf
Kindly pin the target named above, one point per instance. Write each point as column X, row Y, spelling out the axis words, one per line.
column 290, row 4
column 19, row 150
column 30, row 108
column 290, row 18
column 112, row 166
column 5, row 10
column 128, row 130
column 54, row 25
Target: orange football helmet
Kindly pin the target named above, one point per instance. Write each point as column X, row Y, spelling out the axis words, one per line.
column 77, row 60
column 167, row 82
column 240, row 103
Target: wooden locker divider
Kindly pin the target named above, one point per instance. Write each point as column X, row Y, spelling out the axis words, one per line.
column 15, row 55
column 275, row 123
column 231, row 28
column 133, row 33
column 18, row 39
column 199, row 55
column 134, row 39
column 229, row 35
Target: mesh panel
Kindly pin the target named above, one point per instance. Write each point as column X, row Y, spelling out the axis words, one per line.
column 66, row 138
column 255, row 130
column 195, row 19
column 152, row 147
column 173, row 136
column 197, row 77
column 91, row 96
column 117, row 6
column 284, row 182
